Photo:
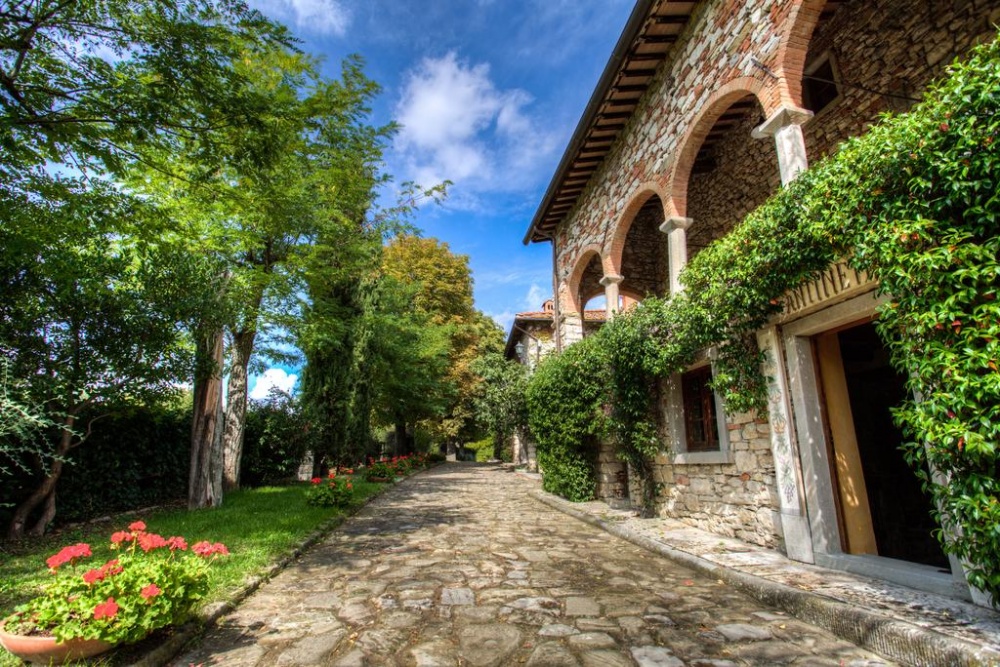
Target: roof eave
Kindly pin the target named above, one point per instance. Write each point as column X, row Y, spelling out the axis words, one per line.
column 628, row 37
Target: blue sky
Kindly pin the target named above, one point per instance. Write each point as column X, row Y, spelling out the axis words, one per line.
column 487, row 94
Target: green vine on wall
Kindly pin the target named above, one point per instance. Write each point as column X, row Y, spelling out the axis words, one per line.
column 914, row 202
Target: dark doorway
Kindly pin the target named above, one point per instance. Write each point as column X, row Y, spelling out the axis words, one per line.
column 900, row 510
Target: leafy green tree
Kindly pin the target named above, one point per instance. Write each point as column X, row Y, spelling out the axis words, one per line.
column 442, row 296
column 92, row 302
column 90, row 88
column 302, row 181
column 410, row 356
column 335, row 336
column 93, row 83
column 500, row 397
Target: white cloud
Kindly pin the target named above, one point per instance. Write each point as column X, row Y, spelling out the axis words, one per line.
column 272, row 377
column 536, row 295
column 457, row 125
column 504, row 319
column 328, row 17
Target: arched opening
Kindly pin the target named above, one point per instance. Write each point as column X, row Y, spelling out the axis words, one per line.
column 732, row 173
column 589, row 286
column 644, row 255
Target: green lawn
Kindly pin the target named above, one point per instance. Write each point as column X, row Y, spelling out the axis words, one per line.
column 258, row 526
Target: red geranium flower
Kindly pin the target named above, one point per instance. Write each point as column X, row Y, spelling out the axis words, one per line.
column 150, row 592
column 108, row 609
column 207, row 549
column 121, row 536
column 137, row 526
column 68, row 555
column 177, row 543
column 150, row 541
column 111, row 568
column 316, row 480
column 91, row 576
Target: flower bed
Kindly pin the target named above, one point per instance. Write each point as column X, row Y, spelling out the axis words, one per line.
column 151, row 583
column 397, row 466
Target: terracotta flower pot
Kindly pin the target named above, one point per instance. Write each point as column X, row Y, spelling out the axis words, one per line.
column 47, row 651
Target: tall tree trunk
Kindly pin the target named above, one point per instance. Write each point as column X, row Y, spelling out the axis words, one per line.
column 401, row 444
column 205, row 475
column 46, row 491
column 236, row 408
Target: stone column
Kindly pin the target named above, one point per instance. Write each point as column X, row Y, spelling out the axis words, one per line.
column 610, row 283
column 567, row 323
column 787, row 469
column 785, row 125
column 570, row 328
column 675, row 227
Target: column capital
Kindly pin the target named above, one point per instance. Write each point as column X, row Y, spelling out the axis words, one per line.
column 675, row 222
column 782, row 118
column 611, row 279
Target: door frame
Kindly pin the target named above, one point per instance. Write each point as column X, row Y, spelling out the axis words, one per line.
column 821, row 496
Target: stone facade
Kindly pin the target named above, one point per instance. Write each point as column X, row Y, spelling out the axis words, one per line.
column 736, row 499
column 723, row 124
column 612, row 476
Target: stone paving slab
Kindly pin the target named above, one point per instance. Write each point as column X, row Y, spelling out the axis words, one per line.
column 911, row 626
column 461, row 566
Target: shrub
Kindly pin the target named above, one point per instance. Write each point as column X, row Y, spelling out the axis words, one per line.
column 332, row 492
column 137, row 457
column 565, row 398
column 483, row 449
column 275, row 441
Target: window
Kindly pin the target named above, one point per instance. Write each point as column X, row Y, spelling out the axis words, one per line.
column 701, row 422
column 819, row 84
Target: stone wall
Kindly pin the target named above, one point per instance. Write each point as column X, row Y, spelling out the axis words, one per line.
column 926, row 35
column 612, row 476
column 746, row 174
column 737, row 499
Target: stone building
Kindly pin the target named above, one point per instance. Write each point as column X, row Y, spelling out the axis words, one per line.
column 704, row 110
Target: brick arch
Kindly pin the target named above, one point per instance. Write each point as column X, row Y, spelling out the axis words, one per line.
column 615, row 245
column 796, row 33
column 570, row 301
column 714, row 107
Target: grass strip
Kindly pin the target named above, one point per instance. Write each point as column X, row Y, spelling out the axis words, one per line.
column 259, row 526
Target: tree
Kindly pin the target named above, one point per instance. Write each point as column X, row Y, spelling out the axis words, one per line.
column 500, row 397
column 443, row 296
column 410, row 355
column 92, row 302
column 317, row 188
column 92, row 88
column 94, row 83
column 304, row 180
column 343, row 331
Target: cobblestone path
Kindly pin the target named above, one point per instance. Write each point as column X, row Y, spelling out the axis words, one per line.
column 458, row 566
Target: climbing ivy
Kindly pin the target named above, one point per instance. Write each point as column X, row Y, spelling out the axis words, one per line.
column 567, row 429
column 914, row 202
